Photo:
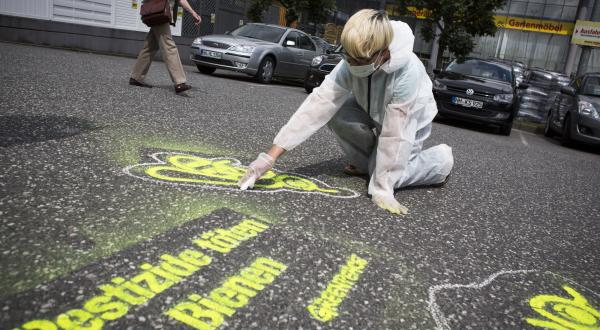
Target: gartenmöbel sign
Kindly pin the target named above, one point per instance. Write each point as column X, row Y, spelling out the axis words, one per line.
column 534, row 25
column 587, row 33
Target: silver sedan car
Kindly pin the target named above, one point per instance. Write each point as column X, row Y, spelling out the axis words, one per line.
column 262, row 50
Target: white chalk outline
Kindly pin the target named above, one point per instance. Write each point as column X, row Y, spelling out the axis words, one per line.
column 438, row 315
column 235, row 162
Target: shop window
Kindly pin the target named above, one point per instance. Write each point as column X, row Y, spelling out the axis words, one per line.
column 553, row 12
column 517, row 8
column 535, row 9
column 569, row 13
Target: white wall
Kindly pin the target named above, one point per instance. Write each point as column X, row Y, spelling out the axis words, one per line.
column 92, row 12
column 25, row 8
column 119, row 14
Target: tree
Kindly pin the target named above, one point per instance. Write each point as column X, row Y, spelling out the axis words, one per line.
column 458, row 21
column 315, row 11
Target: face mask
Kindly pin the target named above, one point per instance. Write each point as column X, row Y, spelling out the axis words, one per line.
column 363, row 71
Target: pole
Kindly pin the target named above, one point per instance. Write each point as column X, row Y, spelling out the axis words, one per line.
column 434, row 49
column 583, row 13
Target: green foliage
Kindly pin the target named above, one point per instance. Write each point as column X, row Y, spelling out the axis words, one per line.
column 459, row 21
column 315, row 11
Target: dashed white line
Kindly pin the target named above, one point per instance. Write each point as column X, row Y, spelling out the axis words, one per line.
column 525, row 143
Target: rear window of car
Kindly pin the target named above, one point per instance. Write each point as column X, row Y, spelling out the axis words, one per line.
column 481, row 69
column 261, row 32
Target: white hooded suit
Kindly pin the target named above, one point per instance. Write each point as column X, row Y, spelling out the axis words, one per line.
column 380, row 121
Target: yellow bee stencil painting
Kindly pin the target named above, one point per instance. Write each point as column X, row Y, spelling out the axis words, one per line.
column 560, row 313
column 224, row 173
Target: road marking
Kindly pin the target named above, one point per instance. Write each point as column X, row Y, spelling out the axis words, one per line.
column 224, row 173
column 439, row 317
column 436, row 312
column 525, row 143
column 559, row 312
column 325, row 307
column 124, row 293
column 211, row 311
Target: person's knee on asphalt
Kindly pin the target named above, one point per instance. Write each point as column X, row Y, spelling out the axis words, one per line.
column 392, row 90
column 159, row 37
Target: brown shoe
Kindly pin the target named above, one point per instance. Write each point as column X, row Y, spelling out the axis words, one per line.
column 182, row 88
column 134, row 82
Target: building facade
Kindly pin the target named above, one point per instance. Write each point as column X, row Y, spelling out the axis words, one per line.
column 537, row 33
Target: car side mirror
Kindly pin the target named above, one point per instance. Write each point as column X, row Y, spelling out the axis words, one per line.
column 328, row 51
column 523, row 85
column 290, row 43
column 568, row 90
column 437, row 71
column 227, row 32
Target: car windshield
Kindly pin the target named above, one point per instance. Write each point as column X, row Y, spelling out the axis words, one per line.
column 481, row 69
column 261, row 32
column 591, row 87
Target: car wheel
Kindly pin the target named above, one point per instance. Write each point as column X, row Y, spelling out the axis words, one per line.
column 307, row 87
column 205, row 69
column 505, row 129
column 548, row 132
column 265, row 70
column 566, row 132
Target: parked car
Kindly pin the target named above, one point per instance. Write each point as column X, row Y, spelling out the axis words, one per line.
column 476, row 90
column 321, row 66
column 575, row 114
column 519, row 68
column 323, row 44
column 264, row 51
column 544, row 87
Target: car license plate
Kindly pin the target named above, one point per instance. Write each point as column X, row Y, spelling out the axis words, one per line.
column 467, row 103
column 210, row 53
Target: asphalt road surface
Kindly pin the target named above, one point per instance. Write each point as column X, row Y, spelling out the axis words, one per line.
column 118, row 209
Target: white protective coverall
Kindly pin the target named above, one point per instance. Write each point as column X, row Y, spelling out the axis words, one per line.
column 381, row 130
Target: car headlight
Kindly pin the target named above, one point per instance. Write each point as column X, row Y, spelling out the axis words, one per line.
column 587, row 109
column 316, row 60
column 504, row 98
column 242, row 49
column 438, row 85
column 197, row 42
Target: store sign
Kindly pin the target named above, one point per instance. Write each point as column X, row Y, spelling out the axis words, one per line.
column 420, row 13
column 506, row 22
column 587, row 33
column 534, row 25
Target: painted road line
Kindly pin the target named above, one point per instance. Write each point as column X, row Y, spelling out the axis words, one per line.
column 209, row 312
column 122, row 294
column 522, row 137
column 325, row 307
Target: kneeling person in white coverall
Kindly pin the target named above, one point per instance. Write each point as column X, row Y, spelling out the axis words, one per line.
column 379, row 104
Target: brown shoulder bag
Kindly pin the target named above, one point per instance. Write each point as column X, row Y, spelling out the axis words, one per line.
column 156, row 12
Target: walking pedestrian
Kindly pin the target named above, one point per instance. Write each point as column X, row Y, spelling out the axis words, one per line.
column 379, row 104
column 160, row 36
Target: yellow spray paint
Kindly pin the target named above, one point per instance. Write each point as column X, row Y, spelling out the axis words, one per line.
column 560, row 313
column 188, row 169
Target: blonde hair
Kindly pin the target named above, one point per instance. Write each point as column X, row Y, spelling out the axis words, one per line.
column 366, row 33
